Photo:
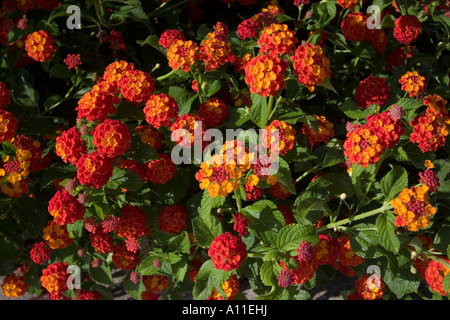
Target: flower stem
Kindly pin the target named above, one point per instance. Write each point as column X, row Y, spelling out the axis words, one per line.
column 309, row 171
column 165, row 76
column 354, row 218
column 238, row 200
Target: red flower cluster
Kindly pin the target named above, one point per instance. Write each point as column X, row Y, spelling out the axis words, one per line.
column 213, row 111
column 132, row 223
column 434, row 275
column 54, row 278
column 173, row 219
column 407, row 29
column 227, row 252
column 372, row 90
column 311, row 65
column 366, row 143
column 94, row 169
column 170, row 36
column 265, row 75
column 112, row 138
column 65, row 208
column 430, row 128
column 277, row 39
column 70, row 146
column 40, row 252
column 160, row 110
column 5, row 96
column 123, row 258
column 162, row 170
column 368, row 287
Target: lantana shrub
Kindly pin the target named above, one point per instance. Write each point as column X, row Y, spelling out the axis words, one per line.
column 116, row 152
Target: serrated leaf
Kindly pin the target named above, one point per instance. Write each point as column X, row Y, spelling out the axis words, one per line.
column 205, row 234
column 124, row 178
column 290, row 237
column 268, row 273
column 102, row 274
column 394, row 182
column 207, row 279
column 180, row 243
column 386, row 232
column 259, row 111
column 351, row 109
column 146, row 267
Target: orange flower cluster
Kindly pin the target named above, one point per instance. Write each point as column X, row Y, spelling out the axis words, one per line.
column 214, row 112
column 56, row 235
column 286, row 136
column 413, row 208
column 40, row 46
column 136, row 86
column 222, row 173
column 173, row 219
column 132, row 224
column 182, row 55
column 430, row 128
column 413, row 83
column 324, row 133
column 354, row 27
column 345, row 255
column 154, row 284
column 227, row 252
column 160, row 110
column 434, row 275
column 99, row 102
column 348, row 4
column 368, row 289
column 230, row 286
column 150, row 136
column 366, row 143
column 54, row 278
column 112, row 138
column 65, row 208
column 70, row 146
column 265, row 75
column 215, row 48
column 311, row 65
column 186, row 129
column 116, row 71
column 8, row 125
column 14, row 286
column 277, row 39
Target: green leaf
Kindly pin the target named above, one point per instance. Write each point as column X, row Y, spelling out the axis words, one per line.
column 60, row 71
column 446, row 283
column 134, row 290
column 207, row 279
column 22, row 90
column 134, row 11
column 394, row 182
column 364, row 240
column 102, row 274
column 265, row 220
column 146, row 267
column 140, row 151
column 269, row 272
column 351, row 109
column 402, row 283
column 284, row 176
column 290, row 237
column 180, row 243
column 386, row 232
column 259, row 112
column 179, row 269
column 124, row 178
column 205, row 234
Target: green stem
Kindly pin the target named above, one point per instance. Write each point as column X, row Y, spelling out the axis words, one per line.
column 165, row 76
column 309, row 171
column 269, row 110
column 274, row 108
column 255, row 255
column 66, row 97
column 238, row 200
column 354, row 218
